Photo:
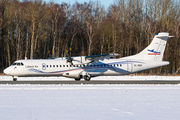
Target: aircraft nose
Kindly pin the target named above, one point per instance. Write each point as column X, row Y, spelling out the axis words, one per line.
column 7, row 71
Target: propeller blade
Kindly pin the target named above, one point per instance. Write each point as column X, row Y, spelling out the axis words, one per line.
column 69, row 56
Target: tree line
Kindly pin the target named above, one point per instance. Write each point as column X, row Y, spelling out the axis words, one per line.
column 39, row 30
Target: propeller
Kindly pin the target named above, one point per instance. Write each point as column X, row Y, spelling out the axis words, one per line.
column 69, row 56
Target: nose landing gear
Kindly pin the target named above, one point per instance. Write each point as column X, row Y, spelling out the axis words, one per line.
column 14, row 78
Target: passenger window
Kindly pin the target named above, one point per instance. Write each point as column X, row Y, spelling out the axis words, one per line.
column 22, row 64
column 53, row 65
column 67, row 65
column 63, row 65
column 47, row 66
column 60, row 65
column 120, row 65
column 50, row 66
column 140, row 65
column 56, row 65
column 18, row 64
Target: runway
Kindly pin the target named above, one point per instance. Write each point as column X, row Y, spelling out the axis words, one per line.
column 91, row 82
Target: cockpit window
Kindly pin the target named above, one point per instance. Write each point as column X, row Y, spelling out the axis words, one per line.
column 14, row 63
column 19, row 64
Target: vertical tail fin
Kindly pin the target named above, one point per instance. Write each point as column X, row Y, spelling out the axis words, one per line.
column 155, row 50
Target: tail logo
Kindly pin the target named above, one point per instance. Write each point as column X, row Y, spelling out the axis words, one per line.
column 152, row 52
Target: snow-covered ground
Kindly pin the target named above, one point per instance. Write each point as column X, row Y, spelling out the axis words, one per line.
column 5, row 78
column 89, row 102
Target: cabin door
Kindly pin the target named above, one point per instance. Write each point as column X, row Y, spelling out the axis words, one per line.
column 43, row 66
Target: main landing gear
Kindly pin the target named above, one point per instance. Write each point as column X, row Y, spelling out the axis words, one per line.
column 77, row 79
column 86, row 78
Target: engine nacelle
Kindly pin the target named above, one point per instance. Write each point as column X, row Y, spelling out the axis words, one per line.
column 72, row 74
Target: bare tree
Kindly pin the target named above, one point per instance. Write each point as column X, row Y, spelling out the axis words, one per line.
column 87, row 13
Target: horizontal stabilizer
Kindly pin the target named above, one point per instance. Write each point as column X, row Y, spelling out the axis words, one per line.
column 164, row 36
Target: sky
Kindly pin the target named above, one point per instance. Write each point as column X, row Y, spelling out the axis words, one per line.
column 105, row 3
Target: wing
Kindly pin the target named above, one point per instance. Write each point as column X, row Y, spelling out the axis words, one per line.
column 88, row 59
column 101, row 57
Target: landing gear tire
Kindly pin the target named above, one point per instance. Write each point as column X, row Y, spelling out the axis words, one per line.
column 77, row 79
column 14, row 79
column 87, row 78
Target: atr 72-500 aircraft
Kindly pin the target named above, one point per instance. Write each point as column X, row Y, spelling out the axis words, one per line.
column 96, row 65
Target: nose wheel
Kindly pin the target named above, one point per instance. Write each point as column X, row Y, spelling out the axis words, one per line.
column 14, row 78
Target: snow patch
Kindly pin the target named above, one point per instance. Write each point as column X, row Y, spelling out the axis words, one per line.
column 45, row 102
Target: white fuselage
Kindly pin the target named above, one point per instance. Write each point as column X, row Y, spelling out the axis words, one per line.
column 57, row 67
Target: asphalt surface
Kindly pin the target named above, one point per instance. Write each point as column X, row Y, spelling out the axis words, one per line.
column 92, row 82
